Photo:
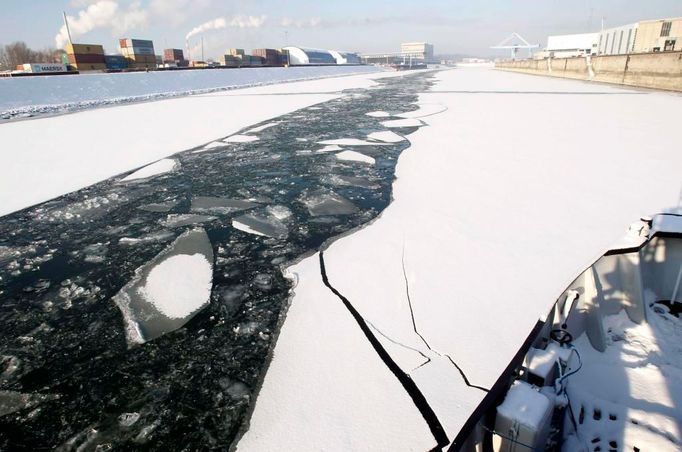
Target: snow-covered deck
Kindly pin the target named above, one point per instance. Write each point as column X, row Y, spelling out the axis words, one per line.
column 516, row 185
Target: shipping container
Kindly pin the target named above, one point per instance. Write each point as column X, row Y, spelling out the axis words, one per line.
column 270, row 56
column 255, row 60
column 173, row 55
column 40, row 68
column 231, row 61
column 235, row 52
column 90, row 67
column 86, row 58
column 140, row 43
column 137, row 51
column 116, row 62
column 85, row 49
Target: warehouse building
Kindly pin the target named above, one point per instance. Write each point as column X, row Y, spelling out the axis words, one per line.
column 568, row 46
column 418, row 51
column 346, row 57
column 663, row 35
column 85, row 57
column 618, row 40
column 299, row 56
column 139, row 52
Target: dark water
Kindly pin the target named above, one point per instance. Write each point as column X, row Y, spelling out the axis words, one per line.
column 67, row 376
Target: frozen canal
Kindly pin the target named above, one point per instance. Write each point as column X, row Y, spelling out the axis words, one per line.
column 140, row 311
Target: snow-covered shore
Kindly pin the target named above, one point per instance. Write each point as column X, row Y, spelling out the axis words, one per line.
column 512, row 189
column 47, row 157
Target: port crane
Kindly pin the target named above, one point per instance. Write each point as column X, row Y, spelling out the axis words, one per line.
column 514, row 42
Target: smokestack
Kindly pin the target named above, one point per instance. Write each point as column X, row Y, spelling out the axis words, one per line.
column 66, row 24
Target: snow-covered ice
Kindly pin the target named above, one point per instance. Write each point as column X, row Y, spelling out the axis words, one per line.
column 240, row 139
column 423, row 111
column 155, row 169
column 378, row 114
column 386, row 136
column 329, row 148
column 353, row 156
column 327, row 202
column 267, row 224
column 350, row 142
column 263, row 127
column 479, row 210
column 193, row 119
column 399, row 123
column 166, row 292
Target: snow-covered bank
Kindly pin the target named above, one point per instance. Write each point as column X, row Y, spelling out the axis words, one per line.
column 491, row 221
column 24, row 96
column 42, row 160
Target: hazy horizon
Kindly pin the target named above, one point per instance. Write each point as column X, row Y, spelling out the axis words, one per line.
column 455, row 27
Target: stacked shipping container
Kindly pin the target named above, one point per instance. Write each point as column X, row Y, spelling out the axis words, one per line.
column 174, row 56
column 270, row 56
column 85, row 57
column 139, row 52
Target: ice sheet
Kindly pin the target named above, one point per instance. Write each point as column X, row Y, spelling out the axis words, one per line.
column 240, row 139
column 155, row 169
column 386, row 136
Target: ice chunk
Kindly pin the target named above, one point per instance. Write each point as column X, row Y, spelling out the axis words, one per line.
column 412, row 122
column 219, row 205
column 352, row 142
column 322, row 202
column 169, row 290
column 155, row 169
column 329, row 148
column 184, row 219
column 353, row 156
column 11, row 401
column 159, row 207
column 279, row 212
column 263, row 127
column 159, row 236
column 265, row 225
column 240, row 139
column 386, row 136
column 378, row 114
column 339, row 180
column 209, row 146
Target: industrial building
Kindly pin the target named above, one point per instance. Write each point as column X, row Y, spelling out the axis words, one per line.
column 345, row 57
column 567, row 46
column 663, row 35
column 85, row 57
column 299, row 56
column 139, row 52
column 618, row 40
column 417, row 51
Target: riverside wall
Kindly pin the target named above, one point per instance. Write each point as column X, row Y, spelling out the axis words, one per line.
column 661, row 70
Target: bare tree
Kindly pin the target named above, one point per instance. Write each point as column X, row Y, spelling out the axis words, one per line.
column 16, row 53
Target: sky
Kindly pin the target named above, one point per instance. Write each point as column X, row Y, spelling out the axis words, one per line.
column 462, row 27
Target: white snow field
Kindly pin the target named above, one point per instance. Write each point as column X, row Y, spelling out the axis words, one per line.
column 45, row 161
column 508, row 194
column 39, row 95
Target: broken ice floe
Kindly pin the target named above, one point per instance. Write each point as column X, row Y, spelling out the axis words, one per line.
column 185, row 219
column 329, row 148
column 423, row 111
column 323, row 202
column 155, row 169
column 386, row 136
column 168, row 291
column 378, row 114
column 219, row 205
column 210, row 146
column 160, row 236
column 266, row 224
column 12, row 401
column 240, row 139
column 159, row 206
column 352, row 142
column 353, row 156
column 349, row 181
column 261, row 128
column 397, row 123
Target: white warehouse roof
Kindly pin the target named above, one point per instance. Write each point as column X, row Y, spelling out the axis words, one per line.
column 572, row 42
